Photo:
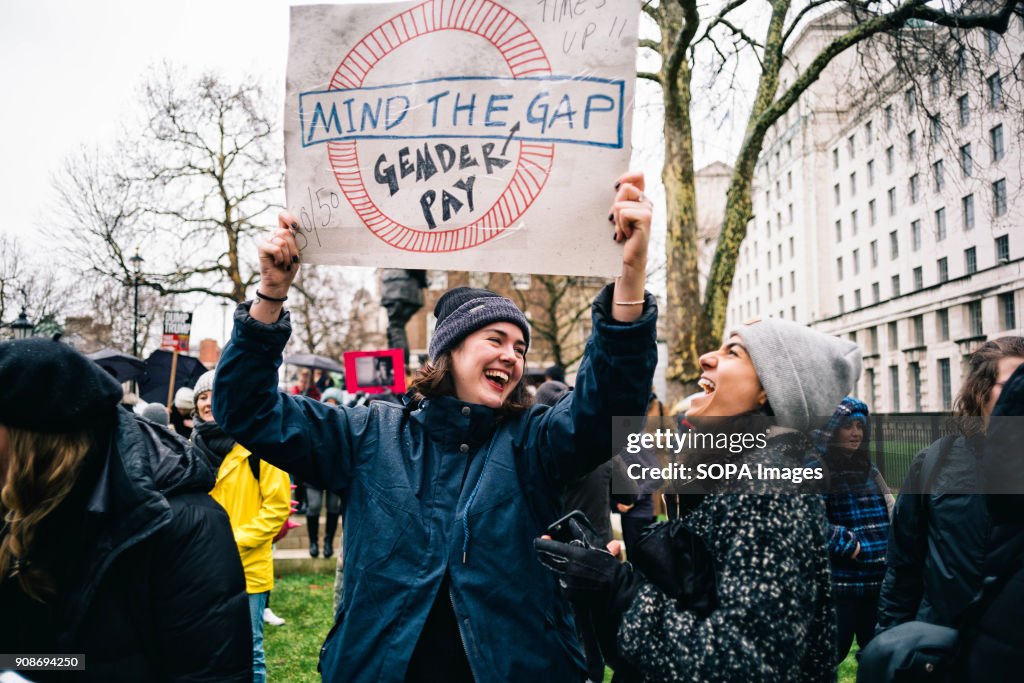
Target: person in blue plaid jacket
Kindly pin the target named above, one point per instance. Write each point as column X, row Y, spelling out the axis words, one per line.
column 859, row 507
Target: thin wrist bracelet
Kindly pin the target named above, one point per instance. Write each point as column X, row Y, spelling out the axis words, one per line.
column 630, row 303
column 275, row 299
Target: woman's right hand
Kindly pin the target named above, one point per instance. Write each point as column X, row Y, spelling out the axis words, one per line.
column 279, row 257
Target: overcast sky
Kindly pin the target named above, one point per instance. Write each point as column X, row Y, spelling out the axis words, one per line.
column 70, row 72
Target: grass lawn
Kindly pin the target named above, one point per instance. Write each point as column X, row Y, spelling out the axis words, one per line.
column 304, row 600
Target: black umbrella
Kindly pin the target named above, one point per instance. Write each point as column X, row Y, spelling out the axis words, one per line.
column 311, row 360
column 121, row 365
column 153, row 385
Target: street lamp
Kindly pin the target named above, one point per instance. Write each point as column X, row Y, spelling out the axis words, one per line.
column 21, row 327
column 137, row 268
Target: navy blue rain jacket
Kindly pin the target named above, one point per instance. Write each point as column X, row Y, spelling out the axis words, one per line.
column 447, row 487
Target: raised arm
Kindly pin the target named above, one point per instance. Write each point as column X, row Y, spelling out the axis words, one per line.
column 615, row 376
column 299, row 435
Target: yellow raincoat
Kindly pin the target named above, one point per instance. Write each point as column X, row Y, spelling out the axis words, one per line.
column 257, row 511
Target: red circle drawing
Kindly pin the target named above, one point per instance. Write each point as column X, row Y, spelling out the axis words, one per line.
column 523, row 55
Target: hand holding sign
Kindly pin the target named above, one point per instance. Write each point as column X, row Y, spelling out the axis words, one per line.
column 279, row 264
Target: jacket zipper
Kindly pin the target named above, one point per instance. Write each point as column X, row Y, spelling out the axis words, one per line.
column 462, row 634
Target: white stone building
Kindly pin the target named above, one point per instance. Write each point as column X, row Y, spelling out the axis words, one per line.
column 895, row 217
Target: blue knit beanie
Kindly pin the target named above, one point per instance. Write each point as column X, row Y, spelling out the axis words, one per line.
column 464, row 310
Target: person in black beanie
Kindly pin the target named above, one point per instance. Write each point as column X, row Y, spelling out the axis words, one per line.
column 443, row 496
column 110, row 546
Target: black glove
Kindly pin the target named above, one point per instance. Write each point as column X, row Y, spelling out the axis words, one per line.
column 678, row 562
column 590, row 577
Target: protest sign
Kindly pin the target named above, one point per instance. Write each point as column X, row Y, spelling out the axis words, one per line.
column 177, row 326
column 460, row 134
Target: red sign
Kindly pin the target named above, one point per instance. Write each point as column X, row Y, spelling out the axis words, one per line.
column 174, row 342
column 374, row 372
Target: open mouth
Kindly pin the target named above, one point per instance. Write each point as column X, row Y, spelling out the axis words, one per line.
column 497, row 378
column 707, row 385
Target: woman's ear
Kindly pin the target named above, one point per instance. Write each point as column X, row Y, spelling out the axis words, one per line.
column 762, row 398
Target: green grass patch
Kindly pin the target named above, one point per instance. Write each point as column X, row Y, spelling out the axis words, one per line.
column 305, row 602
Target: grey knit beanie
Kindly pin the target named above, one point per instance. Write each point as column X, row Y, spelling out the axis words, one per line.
column 156, row 412
column 184, row 399
column 805, row 373
column 203, row 384
column 464, row 310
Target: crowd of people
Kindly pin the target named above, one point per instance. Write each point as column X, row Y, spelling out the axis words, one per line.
column 144, row 542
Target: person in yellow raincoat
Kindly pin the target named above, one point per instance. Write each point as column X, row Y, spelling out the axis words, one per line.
column 257, row 498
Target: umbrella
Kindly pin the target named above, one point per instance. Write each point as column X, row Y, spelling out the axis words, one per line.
column 311, row 360
column 121, row 365
column 153, row 385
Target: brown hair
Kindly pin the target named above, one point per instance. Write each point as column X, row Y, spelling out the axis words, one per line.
column 981, row 378
column 436, row 378
column 41, row 470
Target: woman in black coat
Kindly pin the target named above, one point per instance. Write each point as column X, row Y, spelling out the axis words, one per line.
column 111, row 548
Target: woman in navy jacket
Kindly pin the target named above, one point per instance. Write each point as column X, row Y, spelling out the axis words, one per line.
column 443, row 496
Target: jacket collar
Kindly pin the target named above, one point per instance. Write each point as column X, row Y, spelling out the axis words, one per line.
column 453, row 422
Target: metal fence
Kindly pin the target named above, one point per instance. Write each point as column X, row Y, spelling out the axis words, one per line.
column 896, row 439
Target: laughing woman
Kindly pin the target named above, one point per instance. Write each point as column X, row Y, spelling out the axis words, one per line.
column 768, row 616
column 443, row 497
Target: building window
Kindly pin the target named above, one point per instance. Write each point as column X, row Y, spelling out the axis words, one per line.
column 789, row 210
column 792, row 313
column 869, row 379
column 836, row 193
column 479, row 279
column 915, row 236
column 438, row 280
column 940, row 224
column 892, row 201
column 918, row 278
column 966, row 161
column 894, row 388
column 995, row 90
column 912, row 144
column 1002, row 248
column 792, row 248
column 974, row 322
column 934, row 83
column 869, row 132
column 856, row 261
column 961, row 62
column 835, row 158
column 936, row 128
column 939, row 175
column 871, row 172
column 915, row 187
column 911, row 99
column 769, row 256
column 792, row 281
column 839, row 230
column 1007, row 311
column 889, row 119
column 999, row 197
column 963, row 104
column 915, row 384
column 769, row 291
column 853, row 184
column 946, row 384
column 876, row 293
column 839, row 267
column 872, row 212
column 890, row 159
column 970, row 260
column 842, row 305
column 894, row 246
column 942, row 320
column 967, row 208
column 995, row 137
column 853, row 222
column 873, row 340
column 851, row 145
column 856, row 298
column 943, row 267
column 789, row 180
column 874, row 253
column 895, row 286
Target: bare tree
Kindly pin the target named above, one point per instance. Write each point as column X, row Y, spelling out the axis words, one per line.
column 560, row 310
column 28, row 283
column 190, row 188
column 762, row 31
column 329, row 313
